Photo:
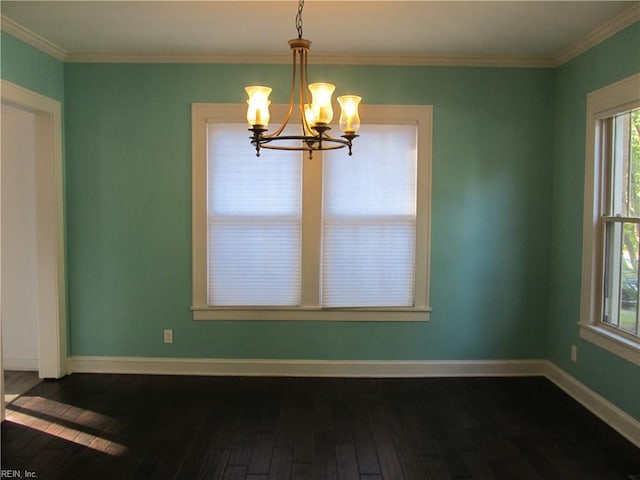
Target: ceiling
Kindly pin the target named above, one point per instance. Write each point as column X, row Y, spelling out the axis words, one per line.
column 91, row 30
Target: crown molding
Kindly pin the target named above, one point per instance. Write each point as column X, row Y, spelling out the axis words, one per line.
column 598, row 35
column 33, row 39
column 322, row 59
column 88, row 57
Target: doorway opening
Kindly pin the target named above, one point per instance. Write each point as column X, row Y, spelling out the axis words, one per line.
column 32, row 284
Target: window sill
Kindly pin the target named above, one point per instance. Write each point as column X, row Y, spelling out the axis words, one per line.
column 313, row 314
column 610, row 341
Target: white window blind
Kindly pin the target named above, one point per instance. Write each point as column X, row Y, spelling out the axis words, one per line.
column 369, row 220
column 254, row 211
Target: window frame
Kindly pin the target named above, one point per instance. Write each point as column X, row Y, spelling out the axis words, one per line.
column 602, row 104
column 204, row 113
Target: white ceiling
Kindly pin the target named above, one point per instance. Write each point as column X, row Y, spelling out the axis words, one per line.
column 518, row 29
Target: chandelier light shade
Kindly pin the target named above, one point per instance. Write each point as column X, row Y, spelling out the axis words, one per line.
column 314, row 105
column 349, row 118
column 258, row 111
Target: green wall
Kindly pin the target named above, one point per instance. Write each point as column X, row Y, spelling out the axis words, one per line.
column 129, row 213
column 30, row 68
column 614, row 378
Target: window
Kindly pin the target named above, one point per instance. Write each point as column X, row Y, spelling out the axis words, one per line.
column 334, row 237
column 254, row 231
column 622, row 220
column 610, row 310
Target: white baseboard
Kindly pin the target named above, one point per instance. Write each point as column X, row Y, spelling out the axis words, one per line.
column 608, row 412
column 624, row 424
column 306, row 368
column 20, row 363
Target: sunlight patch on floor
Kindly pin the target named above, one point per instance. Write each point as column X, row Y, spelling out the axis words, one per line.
column 39, row 413
column 10, row 397
column 17, row 383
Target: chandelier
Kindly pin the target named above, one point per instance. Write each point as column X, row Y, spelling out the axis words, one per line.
column 316, row 113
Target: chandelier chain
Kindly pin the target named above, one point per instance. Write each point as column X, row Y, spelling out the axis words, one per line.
column 299, row 18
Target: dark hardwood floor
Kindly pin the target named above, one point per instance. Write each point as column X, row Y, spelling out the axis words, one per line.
column 187, row 428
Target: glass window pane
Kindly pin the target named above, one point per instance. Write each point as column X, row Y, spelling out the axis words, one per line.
column 626, row 165
column 622, row 237
column 242, row 184
column 254, row 263
column 254, row 207
column 369, row 263
column 369, row 220
column 621, row 286
column 629, row 281
column 378, row 179
column 612, row 273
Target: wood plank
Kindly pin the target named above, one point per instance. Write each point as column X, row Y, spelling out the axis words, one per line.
column 347, row 462
column 436, row 467
column 215, row 465
column 387, row 456
column 235, row 472
column 408, row 454
column 302, row 471
column 365, row 447
column 262, row 453
column 281, row 464
column 346, row 457
column 241, row 453
column 303, row 434
column 324, row 458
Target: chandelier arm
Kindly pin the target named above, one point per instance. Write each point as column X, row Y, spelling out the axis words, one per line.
column 285, row 121
column 304, row 95
column 349, row 137
column 326, row 136
column 307, row 129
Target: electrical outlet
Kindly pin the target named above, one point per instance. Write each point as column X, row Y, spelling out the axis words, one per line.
column 574, row 353
column 168, row 336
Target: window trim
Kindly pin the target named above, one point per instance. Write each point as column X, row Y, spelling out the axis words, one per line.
column 204, row 113
column 601, row 104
